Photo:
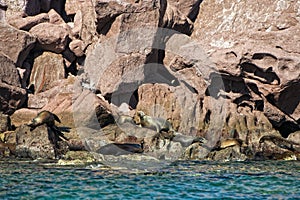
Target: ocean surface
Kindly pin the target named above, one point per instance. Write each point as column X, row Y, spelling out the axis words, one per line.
column 177, row 180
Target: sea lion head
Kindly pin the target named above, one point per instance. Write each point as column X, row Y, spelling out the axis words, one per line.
column 141, row 113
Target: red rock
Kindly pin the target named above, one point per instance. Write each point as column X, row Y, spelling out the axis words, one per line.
column 55, row 18
column 8, row 72
column 51, row 37
column 77, row 47
column 27, row 7
column 26, row 23
column 3, row 8
column 22, row 43
column 47, row 68
column 72, row 6
column 11, row 98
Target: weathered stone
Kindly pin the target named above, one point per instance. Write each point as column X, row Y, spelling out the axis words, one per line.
column 47, row 68
column 22, row 43
column 28, row 7
column 42, row 142
column 3, row 8
column 77, row 27
column 87, row 28
column 55, row 18
column 228, row 154
column 121, row 77
column 72, row 6
column 23, row 116
column 11, row 98
column 77, row 47
column 8, row 72
column 27, row 23
column 51, row 37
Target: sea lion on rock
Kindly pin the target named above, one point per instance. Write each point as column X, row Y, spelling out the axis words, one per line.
column 281, row 142
column 117, row 149
column 125, row 119
column 154, row 123
column 186, row 140
column 230, row 142
column 48, row 118
column 44, row 117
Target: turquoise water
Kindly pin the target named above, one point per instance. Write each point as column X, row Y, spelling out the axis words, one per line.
column 179, row 180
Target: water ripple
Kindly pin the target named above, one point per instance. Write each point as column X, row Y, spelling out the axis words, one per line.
column 180, row 180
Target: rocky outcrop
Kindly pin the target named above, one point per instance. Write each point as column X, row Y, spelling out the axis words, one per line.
column 214, row 69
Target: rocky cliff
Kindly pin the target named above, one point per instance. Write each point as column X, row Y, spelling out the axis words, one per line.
column 215, row 69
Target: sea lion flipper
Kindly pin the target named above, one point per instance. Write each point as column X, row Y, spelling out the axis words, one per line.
column 56, row 118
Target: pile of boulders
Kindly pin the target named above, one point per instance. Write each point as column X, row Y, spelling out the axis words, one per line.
column 205, row 66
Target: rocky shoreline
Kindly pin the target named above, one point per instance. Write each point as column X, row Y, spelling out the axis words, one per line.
column 226, row 72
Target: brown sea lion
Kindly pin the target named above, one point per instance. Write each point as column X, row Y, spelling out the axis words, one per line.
column 281, row 142
column 121, row 119
column 44, row 117
column 230, row 142
column 154, row 123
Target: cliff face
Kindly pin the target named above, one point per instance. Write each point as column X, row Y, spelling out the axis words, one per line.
column 215, row 68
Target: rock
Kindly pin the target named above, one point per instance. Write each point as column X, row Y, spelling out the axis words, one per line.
column 11, row 98
column 23, row 116
column 26, row 23
column 47, row 68
column 294, row 137
column 121, row 77
column 55, row 18
column 38, row 143
column 77, row 47
column 77, row 26
column 27, row 7
column 7, row 149
column 3, row 8
column 72, row 6
column 228, row 154
column 22, row 43
column 8, row 72
column 176, row 20
column 84, row 22
column 234, row 42
column 51, row 37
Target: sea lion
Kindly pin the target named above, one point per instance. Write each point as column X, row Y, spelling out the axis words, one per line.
column 44, row 117
column 186, row 140
column 117, row 149
column 281, row 142
column 121, row 119
column 154, row 123
column 230, row 142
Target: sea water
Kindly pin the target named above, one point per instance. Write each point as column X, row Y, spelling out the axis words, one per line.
column 177, row 180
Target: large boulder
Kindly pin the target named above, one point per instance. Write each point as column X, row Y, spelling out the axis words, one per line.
column 11, row 98
column 22, row 43
column 27, row 7
column 26, row 23
column 8, row 72
column 51, row 37
column 47, row 68
column 42, row 142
